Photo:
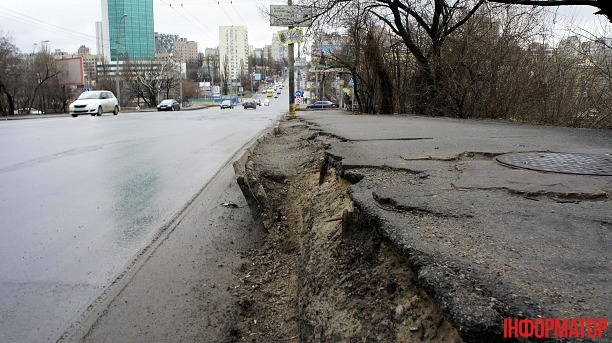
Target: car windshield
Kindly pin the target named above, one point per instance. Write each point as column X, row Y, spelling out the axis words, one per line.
column 166, row 102
column 90, row 95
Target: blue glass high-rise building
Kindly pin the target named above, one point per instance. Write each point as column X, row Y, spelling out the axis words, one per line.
column 129, row 25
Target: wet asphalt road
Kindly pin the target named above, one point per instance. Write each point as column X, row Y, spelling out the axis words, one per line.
column 80, row 197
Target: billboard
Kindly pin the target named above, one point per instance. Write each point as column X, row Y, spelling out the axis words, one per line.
column 71, row 71
column 326, row 48
column 284, row 15
column 205, row 87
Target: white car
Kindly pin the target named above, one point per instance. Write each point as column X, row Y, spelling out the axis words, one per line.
column 266, row 102
column 94, row 103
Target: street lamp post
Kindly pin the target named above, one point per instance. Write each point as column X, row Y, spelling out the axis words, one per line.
column 180, row 63
column 118, row 41
column 36, row 44
column 33, row 64
column 292, row 113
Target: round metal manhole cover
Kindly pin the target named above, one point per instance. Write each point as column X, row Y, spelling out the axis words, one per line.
column 566, row 163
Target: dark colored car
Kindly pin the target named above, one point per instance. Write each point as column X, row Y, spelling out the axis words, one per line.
column 322, row 104
column 226, row 104
column 249, row 103
column 169, row 105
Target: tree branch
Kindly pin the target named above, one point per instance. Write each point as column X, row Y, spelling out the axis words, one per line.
column 595, row 3
column 605, row 6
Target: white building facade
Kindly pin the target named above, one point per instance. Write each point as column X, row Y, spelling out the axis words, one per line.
column 233, row 51
column 100, row 38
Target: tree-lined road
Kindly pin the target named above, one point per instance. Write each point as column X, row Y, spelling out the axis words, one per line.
column 79, row 197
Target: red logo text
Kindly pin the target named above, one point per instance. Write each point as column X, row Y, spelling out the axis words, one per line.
column 554, row 327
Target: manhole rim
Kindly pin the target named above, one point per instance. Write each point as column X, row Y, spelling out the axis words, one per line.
column 607, row 158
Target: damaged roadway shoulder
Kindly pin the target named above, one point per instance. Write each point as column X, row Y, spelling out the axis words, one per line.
column 404, row 248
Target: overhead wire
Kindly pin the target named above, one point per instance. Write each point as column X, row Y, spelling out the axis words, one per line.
column 223, row 10
column 174, row 8
column 28, row 20
column 178, row 6
column 238, row 14
column 182, row 6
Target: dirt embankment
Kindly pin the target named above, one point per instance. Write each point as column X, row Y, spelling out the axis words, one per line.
column 324, row 273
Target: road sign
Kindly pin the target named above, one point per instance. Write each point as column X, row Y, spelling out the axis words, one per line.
column 298, row 100
column 298, row 93
column 290, row 36
column 283, row 15
column 351, row 81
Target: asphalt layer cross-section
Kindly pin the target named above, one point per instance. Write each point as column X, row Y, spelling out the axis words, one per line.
column 488, row 241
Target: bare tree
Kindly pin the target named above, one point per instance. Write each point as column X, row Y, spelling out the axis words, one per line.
column 488, row 66
column 11, row 67
column 225, row 76
column 45, row 70
column 423, row 26
column 157, row 82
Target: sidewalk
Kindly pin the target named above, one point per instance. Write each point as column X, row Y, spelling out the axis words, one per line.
column 487, row 241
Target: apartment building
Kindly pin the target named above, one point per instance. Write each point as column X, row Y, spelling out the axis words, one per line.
column 233, row 51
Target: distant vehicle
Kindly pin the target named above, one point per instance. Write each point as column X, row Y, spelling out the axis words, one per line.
column 266, row 102
column 322, row 104
column 269, row 92
column 28, row 111
column 94, row 103
column 263, row 91
column 278, row 91
column 227, row 104
column 169, row 105
column 249, row 103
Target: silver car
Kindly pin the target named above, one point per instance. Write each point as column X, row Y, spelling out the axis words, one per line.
column 94, row 103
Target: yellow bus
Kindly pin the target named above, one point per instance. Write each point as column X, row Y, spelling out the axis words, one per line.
column 269, row 93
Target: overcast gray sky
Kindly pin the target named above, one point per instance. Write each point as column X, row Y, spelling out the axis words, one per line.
column 68, row 24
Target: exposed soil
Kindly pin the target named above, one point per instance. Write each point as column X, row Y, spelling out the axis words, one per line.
column 323, row 273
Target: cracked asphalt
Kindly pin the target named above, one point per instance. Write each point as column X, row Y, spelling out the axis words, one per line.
column 487, row 241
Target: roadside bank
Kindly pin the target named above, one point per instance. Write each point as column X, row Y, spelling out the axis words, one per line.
column 406, row 229
column 324, row 272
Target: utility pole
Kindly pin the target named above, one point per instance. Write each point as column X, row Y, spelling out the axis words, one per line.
column 291, row 74
column 181, row 80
